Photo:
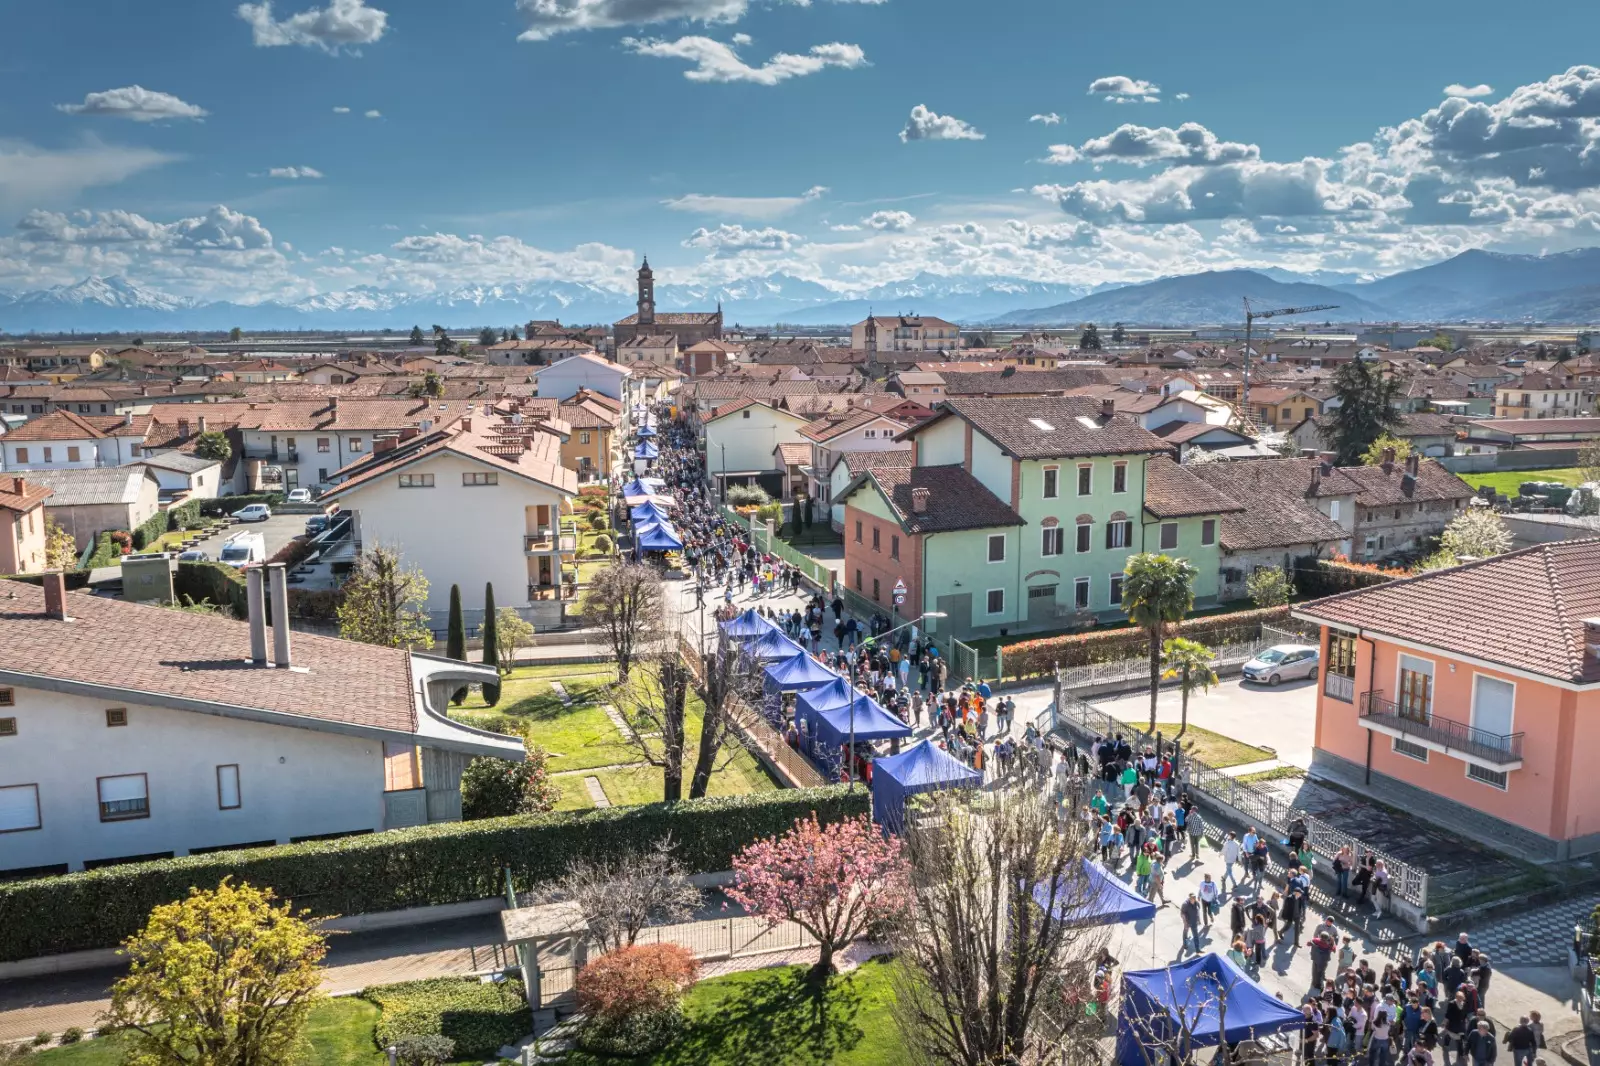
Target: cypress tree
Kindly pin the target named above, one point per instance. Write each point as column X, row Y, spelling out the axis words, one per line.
column 456, row 639
column 491, row 645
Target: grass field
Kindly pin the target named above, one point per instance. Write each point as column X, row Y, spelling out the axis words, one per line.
column 1213, row 749
column 1505, row 482
column 774, row 1016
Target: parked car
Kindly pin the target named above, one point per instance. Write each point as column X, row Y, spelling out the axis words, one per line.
column 243, row 549
column 193, row 555
column 256, row 512
column 1283, row 662
column 316, row 524
column 299, row 496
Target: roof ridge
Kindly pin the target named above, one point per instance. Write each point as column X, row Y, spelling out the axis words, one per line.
column 1574, row 666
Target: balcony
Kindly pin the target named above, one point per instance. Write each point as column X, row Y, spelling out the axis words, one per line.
column 544, row 542
column 1492, row 750
column 1339, row 687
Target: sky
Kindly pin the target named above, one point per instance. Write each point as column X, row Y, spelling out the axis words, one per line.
column 280, row 150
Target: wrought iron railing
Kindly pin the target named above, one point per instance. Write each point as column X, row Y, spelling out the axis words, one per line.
column 1339, row 687
column 1499, row 749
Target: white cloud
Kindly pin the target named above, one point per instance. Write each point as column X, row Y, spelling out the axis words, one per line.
column 757, row 207
column 1049, row 119
column 1190, row 143
column 736, row 238
column 342, row 25
column 341, row 111
column 1457, row 89
column 890, row 221
column 1181, row 96
column 925, row 125
column 741, row 39
column 717, row 62
column 134, row 102
column 30, row 175
column 547, row 18
column 374, row 113
column 1121, row 89
column 294, row 173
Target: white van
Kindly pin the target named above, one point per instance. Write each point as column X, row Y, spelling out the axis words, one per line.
column 242, row 549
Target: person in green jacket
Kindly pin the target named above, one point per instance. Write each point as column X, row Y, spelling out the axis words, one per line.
column 1141, row 867
column 1129, row 778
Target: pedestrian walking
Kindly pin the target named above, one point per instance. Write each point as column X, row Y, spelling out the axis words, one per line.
column 1191, row 910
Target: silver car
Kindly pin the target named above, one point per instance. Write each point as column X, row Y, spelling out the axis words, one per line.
column 1283, row 662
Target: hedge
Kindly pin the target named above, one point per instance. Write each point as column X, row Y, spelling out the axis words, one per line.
column 480, row 1017
column 184, row 516
column 1033, row 658
column 149, row 531
column 224, row 586
column 76, row 579
column 106, row 551
column 447, row 862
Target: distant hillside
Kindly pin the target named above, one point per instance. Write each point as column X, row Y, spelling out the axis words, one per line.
column 1214, row 297
column 1479, row 285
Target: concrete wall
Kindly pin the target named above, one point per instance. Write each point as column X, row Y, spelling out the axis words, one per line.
column 943, row 444
column 22, row 541
column 735, row 442
column 1488, row 463
column 292, row 782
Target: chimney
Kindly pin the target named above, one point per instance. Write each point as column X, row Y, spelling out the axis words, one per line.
column 19, row 486
column 384, row 445
column 1108, row 407
column 466, row 425
column 1325, row 467
column 1413, row 464
column 409, row 433
column 202, row 423
column 255, row 601
column 183, row 427
column 1388, row 460
column 527, row 443
column 127, row 417
column 1316, row 478
column 333, row 407
column 279, row 578
column 55, row 596
column 919, row 500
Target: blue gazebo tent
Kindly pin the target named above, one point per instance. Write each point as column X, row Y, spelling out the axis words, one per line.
column 644, row 431
column 657, row 537
column 646, row 450
column 827, row 730
column 1107, row 901
column 924, row 768
column 773, row 645
column 648, row 512
column 790, row 675
column 836, row 693
column 1197, row 997
column 746, row 625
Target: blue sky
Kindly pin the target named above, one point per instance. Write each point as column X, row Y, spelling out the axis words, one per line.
column 310, row 146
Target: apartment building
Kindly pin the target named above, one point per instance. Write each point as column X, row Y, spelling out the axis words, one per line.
column 905, row 333
column 742, row 439
column 1542, row 395
column 22, row 525
column 62, row 440
column 849, row 430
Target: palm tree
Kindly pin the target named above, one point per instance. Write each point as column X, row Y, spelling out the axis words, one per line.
column 1157, row 592
column 1190, row 662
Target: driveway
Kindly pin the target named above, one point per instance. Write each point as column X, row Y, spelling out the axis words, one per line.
column 1282, row 718
column 277, row 531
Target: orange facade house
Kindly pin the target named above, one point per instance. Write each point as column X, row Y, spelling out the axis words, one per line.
column 1471, row 696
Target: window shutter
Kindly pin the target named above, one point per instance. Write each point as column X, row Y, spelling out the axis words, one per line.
column 1111, row 541
column 1127, row 533
column 118, row 789
column 19, row 807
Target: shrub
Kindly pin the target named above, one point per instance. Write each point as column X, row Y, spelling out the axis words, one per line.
column 1032, row 658
column 40, row 1039
column 771, row 512
column 122, row 539
column 106, row 551
column 632, row 998
column 602, row 545
column 599, row 522
column 72, row 1036
column 495, row 788
column 748, row 496
column 590, row 491
column 480, row 1017
column 184, row 516
column 149, row 531
column 424, row 1050
column 447, row 862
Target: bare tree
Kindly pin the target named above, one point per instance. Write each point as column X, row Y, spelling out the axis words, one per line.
column 989, row 973
column 1168, row 1034
column 656, row 700
column 621, row 897
column 624, row 601
column 730, row 688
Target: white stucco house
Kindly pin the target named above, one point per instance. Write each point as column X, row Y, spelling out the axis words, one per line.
column 130, row 732
column 741, row 440
column 184, row 475
column 559, row 381
column 478, row 499
column 834, row 434
column 62, row 440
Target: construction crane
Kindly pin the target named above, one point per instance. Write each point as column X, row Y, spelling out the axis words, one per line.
column 1249, row 322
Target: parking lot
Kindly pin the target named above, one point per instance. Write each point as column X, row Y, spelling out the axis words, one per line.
column 277, row 531
column 1283, row 718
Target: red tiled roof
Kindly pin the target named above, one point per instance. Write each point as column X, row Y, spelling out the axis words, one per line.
column 1276, row 497
column 956, row 499
column 31, row 496
column 1523, row 610
column 794, row 454
column 57, row 425
column 1049, row 427
column 1171, row 491
column 1377, row 487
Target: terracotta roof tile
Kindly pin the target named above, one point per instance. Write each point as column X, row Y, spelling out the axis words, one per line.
column 956, row 499
column 1051, row 427
column 1171, row 491
column 1377, row 487
column 1277, row 499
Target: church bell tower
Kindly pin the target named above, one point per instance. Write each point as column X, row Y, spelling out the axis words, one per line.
column 647, row 295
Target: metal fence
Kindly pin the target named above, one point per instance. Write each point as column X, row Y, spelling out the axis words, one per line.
column 962, row 659
column 1259, row 807
column 815, row 572
column 757, row 733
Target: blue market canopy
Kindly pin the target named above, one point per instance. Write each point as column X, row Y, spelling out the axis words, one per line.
column 1107, row 901
column 747, row 625
column 924, row 768
column 836, row 693
column 644, row 431
column 645, row 513
column 1189, row 998
column 798, row 672
column 646, row 450
column 773, row 645
column 833, row 726
column 657, row 537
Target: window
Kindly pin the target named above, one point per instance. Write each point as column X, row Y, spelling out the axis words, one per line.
column 123, row 798
column 1169, row 536
column 1085, row 480
column 875, row 590
column 858, row 534
column 870, row 434
column 19, row 808
column 1115, row 599
column 481, row 478
column 1409, row 750
column 8, row 698
column 894, row 547
column 995, row 601
column 1333, row 510
column 228, row 787
column 858, row 579
column 1119, row 477
column 416, row 481
column 876, row 546
column 22, row 455
column 997, row 548
column 1415, row 687
column 1492, row 702
column 1053, row 540
column 1208, row 532
column 355, row 444
column 116, row 716
column 322, row 444
column 1485, row 776
column 48, row 455
column 74, row 453
column 1052, row 479
column 746, row 412
column 1119, row 532
column 1085, row 533
column 1080, row 593
column 8, row 727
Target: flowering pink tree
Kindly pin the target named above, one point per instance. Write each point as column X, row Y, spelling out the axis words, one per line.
column 833, row 881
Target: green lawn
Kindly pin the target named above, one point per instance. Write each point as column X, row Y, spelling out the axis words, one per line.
column 773, row 1016
column 1506, row 482
column 340, row 1032
column 1213, row 749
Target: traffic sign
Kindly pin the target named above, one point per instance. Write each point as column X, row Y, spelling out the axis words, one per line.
column 899, row 586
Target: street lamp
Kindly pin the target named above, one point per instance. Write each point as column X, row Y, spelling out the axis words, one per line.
column 849, row 680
